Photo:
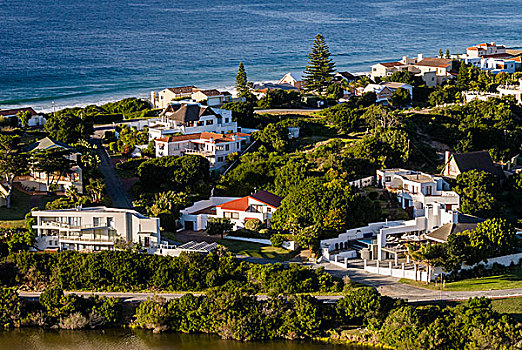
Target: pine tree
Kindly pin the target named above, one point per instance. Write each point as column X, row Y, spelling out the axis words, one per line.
column 448, row 56
column 440, row 53
column 242, row 84
column 320, row 68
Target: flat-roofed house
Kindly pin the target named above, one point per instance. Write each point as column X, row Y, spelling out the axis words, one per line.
column 94, row 229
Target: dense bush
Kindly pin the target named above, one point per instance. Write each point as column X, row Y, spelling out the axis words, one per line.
column 128, row 271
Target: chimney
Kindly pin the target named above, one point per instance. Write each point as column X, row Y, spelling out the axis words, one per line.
column 405, row 59
column 493, row 43
column 420, row 57
column 447, row 155
column 153, row 99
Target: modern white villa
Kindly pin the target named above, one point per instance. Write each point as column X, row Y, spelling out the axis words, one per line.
column 259, row 206
column 94, row 229
column 427, row 198
column 190, row 118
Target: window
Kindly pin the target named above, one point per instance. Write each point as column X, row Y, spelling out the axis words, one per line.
column 226, row 120
column 210, row 122
column 200, row 123
column 256, row 208
column 97, row 222
column 220, row 159
column 231, row 215
column 428, row 190
column 387, row 178
column 268, row 209
column 227, row 147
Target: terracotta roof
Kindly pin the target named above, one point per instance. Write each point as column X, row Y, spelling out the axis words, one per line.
column 391, row 64
column 434, row 62
column 240, row 204
column 183, row 89
column 14, row 111
column 178, row 138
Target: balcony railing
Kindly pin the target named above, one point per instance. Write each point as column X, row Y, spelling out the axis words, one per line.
column 72, row 227
column 198, row 152
column 86, row 239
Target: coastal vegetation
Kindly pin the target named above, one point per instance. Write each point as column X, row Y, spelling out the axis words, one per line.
column 234, row 312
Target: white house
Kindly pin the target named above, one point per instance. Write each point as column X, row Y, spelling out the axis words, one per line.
column 260, row 205
column 166, row 96
column 485, row 49
column 294, row 79
column 37, row 181
column 190, row 118
column 35, row 120
column 213, row 146
column 511, row 90
column 427, row 198
column 212, row 97
column 94, row 229
column 385, row 90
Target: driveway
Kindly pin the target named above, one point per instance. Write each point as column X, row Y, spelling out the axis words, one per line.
column 113, row 184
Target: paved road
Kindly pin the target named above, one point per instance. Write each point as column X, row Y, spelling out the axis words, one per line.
column 387, row 285
column 113, row 184
column 290, row 110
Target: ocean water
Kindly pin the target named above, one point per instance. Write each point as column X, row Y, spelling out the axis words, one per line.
column 77, row 52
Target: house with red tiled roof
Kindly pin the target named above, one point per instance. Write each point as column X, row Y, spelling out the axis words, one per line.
column 257, row 206
column 212, row 97
column 213, row 146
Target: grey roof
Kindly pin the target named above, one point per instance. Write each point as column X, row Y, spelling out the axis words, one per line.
column 188, row 112
column 480, row 160
column 48, row 143
column 466, row 223
column 268, row 198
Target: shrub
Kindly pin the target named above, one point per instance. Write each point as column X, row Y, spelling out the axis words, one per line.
column 373, row 195
column 277, row 240
column 253, row 224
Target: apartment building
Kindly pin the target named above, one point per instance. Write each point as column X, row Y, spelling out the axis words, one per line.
column 93, row 229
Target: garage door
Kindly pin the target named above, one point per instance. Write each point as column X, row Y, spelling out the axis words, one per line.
column 189, row 225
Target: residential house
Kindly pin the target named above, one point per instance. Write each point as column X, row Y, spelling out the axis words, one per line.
column 485, row 49
column 213, row 146
column 93, row 229
column 166, row 96
column 427, row 198
column 190, row 118
column 259, row 206
column 385, row 90
column 492, row 65
column 458, row 163
column 294, row 79
column 212, row 98
column 511, row 90
column 463, row 223
column 433, row 71
column 344, row 76
column 35, row 120
column 37, row 181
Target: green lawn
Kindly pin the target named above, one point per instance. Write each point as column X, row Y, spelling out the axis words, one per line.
column 509, row 280
column 257, row 250
column 19, row 207
column 510, row 306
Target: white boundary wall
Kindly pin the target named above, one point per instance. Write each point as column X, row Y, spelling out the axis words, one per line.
column 289, row 245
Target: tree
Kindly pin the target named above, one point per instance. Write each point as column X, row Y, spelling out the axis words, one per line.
column 95, row 188
column 274, row 135
column 334, row 91
column 13, row 162
column 320, row 68
column 401, row 97
column 55, row 163
column 219, row 226
column 448, row 56
column 441, row 55
column 23, row 117
column 243, row 86
column 477, row 191
column 68, row 127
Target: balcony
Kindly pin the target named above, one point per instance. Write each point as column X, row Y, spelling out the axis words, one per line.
column 86, row 239
column 64, row 225
column 198, row 152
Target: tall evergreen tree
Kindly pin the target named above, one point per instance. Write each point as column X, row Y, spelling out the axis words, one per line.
column 242, row 84
column 320, row 68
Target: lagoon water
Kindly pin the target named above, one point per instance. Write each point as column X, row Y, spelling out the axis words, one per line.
column 121, row 339
column 89, row 51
